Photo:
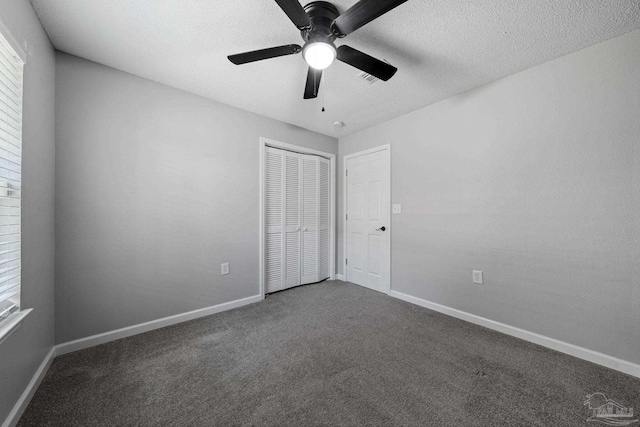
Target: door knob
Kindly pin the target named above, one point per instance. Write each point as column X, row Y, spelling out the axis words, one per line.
column 298, row 229
column 381, row 228
column 306, row 229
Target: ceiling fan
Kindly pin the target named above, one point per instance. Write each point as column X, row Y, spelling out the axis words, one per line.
column 320, row 24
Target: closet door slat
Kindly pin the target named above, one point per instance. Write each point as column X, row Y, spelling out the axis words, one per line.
column 310, row 211
column 274, row 209
column 324, row 220
column 292, row 255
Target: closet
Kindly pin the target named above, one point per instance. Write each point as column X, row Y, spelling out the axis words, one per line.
column 296, row 219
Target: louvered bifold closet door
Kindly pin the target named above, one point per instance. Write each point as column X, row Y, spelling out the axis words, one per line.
column 310, row 220
column 274, row 219
column 292, row 218
column 324, row 220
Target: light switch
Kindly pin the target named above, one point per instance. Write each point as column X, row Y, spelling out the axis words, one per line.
column 397, row 208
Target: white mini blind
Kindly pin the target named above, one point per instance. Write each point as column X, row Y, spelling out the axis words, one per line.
column 11, row 67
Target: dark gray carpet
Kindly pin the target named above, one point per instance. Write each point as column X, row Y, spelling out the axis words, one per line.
column 326, row 354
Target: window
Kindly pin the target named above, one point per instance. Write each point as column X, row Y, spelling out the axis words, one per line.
column 11, row 67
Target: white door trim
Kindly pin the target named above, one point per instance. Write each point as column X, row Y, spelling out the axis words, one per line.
column 387, row 147
column 266, row 142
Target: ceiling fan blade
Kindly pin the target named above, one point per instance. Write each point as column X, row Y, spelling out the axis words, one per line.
column 366, row 63
column 295, row 12
column 259, row 55
column 362, row 13
column 313, row 83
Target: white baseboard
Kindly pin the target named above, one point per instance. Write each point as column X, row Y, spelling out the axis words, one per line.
column 68, row 347
column 105, row 337
column 340, row 277
column 552, row 343
column 23, row 402
column 563, row 347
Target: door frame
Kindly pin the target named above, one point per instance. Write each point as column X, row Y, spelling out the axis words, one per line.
column 385, row 147
column 266, row 142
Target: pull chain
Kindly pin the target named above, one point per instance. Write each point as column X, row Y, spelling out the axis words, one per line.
column 324, row 89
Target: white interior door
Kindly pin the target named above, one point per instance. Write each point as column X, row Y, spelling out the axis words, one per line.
column 368, row 220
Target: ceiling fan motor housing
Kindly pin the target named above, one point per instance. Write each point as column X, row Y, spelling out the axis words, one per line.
column 321, row 14
column 320, row 24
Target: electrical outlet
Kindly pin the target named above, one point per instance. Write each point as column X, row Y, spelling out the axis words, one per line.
column 224, row 268
column 397, row 208
column 477, row 277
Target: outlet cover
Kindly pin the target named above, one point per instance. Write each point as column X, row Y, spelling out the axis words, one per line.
column 224, row 268
column 477, row 277
column 397, row 208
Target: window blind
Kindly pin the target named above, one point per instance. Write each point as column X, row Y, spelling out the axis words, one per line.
column 11, row 67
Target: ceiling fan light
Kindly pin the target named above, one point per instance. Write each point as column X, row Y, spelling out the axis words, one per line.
column 319, row 55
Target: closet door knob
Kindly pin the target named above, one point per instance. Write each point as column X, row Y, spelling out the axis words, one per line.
column 306, row 229
column 298, row 229
column 381, row 228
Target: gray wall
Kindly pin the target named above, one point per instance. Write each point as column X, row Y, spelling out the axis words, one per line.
column 26, row 348
column 534, row 179
column 155, row 188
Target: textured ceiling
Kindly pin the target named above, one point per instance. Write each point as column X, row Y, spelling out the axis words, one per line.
column 441, row 47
